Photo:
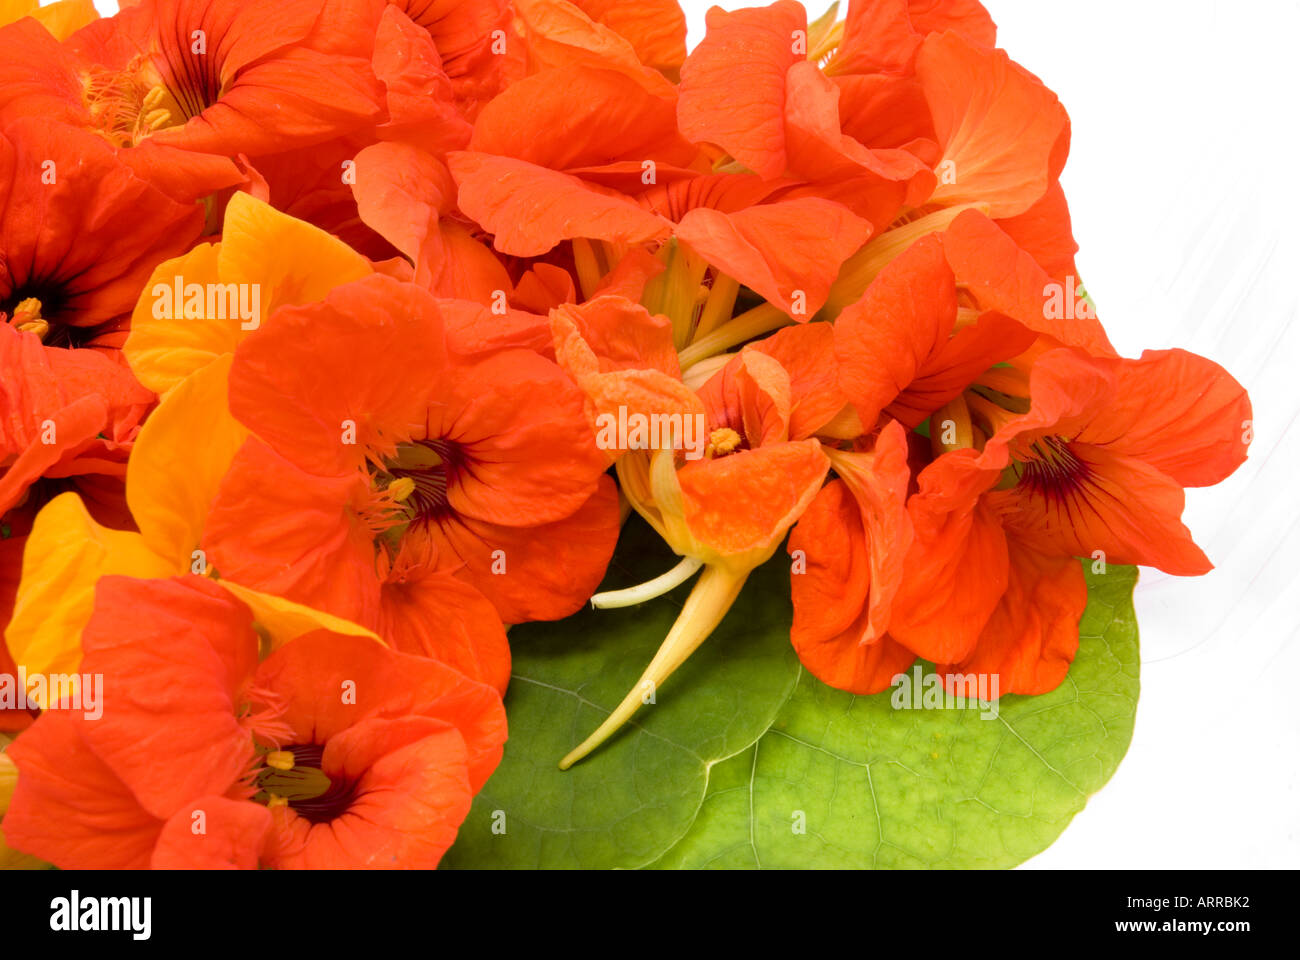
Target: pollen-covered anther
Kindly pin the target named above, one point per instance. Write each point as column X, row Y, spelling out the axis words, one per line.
column 280, row 760
column 401, row 489
column 156, row 119
column 127, row 105
column 27, row 318
column 156, row 116
column 154, row 98
column 413, row 482
column 722, row 441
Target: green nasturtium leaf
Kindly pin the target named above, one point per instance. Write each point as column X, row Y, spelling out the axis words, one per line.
column 634, row 797
column 746, row 761
column 851, row 782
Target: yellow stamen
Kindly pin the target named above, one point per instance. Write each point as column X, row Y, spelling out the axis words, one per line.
column 277, row 801
column 128, row 104
column 26, row 311
column 157, row 119
column 27, row 318
column 280, row 760
column 38, row 327
column 724, row 440
column 401, row 488
column 154, row 98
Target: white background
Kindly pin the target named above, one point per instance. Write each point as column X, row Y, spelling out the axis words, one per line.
column 1182, row 183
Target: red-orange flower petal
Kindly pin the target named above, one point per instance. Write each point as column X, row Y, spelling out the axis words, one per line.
column 531, row 209
column 1032, row 636
column 233, row 836
column 956, row 570
column 998, row 125
column 1002, row 277
column 788, row 252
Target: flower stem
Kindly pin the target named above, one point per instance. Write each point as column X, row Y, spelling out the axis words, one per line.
column 588, row 265
column 859, row 270
column 718, row 307
column 753, row 323
column 710, row 599
column 631, row 596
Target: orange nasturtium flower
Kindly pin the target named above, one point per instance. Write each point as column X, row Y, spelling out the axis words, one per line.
column 907, row 350
column 994, row 135
column 79, row 234
column 1043, row 453
column 224, row 77
column 724, row 503
column 183, row 86
column 333, row 752
column 67, row 420
column 383, row 464
column 179, row 346
column 1094, row 468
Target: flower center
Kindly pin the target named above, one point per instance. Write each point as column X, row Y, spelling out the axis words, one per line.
column 416, row 478
column 293, row 777
column 128, row 105
column 27, row 317
column 34, row 306
column 722, row 441
column 1051, row 470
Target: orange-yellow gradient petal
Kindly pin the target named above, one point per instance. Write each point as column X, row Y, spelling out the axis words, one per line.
column 270, row 258
column 182, row 453
column 66, row 555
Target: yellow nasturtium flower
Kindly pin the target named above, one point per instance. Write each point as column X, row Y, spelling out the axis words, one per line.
column 62, row 19
column 192, row 309
column 185, row 447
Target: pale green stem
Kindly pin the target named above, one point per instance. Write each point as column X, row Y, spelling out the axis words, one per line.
column 753, row 323
column 664, row 583
column 710, row 599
